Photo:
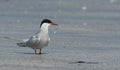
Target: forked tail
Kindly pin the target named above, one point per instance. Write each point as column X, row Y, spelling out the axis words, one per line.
column 22, row 44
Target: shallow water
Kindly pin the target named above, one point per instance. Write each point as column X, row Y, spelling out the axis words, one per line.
column 89, row 30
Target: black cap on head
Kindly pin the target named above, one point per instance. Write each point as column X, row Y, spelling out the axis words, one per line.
column 45, row 21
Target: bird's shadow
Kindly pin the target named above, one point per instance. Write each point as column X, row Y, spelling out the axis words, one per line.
column 30, row 53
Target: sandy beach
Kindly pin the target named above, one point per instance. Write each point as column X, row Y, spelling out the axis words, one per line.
column 87, row 38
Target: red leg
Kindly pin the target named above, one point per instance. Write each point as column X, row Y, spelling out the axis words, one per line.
column 40, row 51
column 35, row 51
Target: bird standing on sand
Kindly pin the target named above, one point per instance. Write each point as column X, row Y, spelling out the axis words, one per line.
column 40, row 39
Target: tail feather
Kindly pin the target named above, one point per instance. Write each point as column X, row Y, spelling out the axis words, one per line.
column 21, row 44
column 13, row 39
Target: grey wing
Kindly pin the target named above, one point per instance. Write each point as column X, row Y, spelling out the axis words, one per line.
column 33, row 41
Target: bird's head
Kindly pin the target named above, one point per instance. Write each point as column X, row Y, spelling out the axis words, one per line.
column 47, row 22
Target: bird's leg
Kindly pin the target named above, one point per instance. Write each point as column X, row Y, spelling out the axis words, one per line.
column 35, row 51
column 40, row 51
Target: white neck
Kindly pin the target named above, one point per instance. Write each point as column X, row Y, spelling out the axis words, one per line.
column 44, row 29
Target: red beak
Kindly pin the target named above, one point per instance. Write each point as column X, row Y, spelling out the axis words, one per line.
column 54, row 24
